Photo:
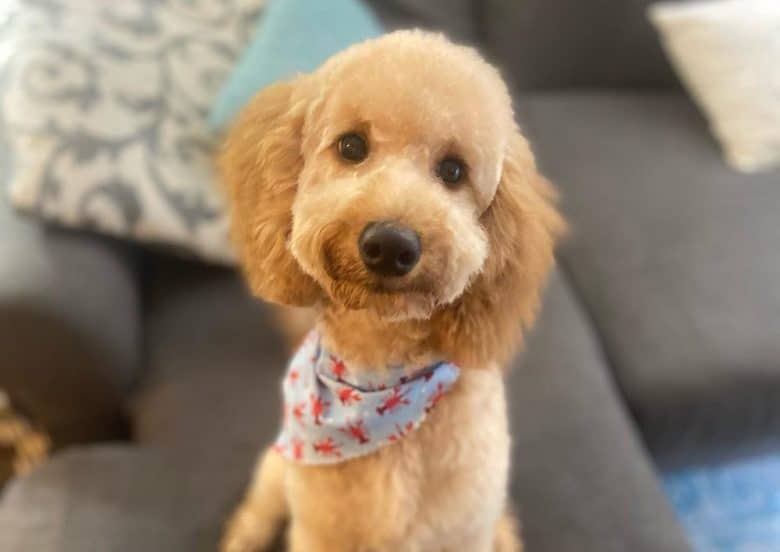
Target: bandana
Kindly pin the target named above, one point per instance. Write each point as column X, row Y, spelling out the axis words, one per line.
column 332, row 415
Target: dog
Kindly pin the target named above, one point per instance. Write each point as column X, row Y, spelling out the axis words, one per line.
column 392, row 191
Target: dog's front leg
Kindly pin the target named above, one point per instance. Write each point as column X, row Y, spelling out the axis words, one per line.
column 303, row 540
column 257, row 521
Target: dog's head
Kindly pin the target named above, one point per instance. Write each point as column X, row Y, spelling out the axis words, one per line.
column 393, row 179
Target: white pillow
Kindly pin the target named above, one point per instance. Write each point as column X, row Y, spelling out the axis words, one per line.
column 728, row 54
column 103, row 106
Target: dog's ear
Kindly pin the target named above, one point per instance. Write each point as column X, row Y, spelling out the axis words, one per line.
column 259, row 164
column 522, row 224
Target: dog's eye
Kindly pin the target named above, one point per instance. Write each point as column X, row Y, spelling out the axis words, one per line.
column 451, row 170
column 353, row 147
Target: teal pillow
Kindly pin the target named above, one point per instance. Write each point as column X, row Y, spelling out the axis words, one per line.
column 293, row 36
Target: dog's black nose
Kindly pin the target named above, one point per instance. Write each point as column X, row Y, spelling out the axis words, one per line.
column 389, row 249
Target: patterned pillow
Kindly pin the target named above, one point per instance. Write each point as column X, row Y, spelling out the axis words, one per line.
column 104, row 108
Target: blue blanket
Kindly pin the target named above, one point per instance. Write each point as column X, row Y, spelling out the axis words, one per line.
column 730, row 508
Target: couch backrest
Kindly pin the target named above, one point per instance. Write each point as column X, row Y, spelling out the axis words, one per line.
column 457, row 18
column 548, row 44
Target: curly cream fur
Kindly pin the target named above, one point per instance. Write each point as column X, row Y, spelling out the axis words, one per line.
column 298, row 210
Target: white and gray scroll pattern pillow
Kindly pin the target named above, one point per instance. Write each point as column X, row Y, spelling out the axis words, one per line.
column 104, row 108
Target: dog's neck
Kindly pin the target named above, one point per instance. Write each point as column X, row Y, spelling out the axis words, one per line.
column 479, row 330
column 364, row 339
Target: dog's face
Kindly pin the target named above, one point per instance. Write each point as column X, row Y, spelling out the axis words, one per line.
column 401, row 156
column 372, row 182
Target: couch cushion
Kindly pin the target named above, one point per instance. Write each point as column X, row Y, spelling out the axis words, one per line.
column 211, row 393
column 544, row 44
column 675, row 257
column 211, row 398
column 105, row 499
column 581, row 478
column 69, row 326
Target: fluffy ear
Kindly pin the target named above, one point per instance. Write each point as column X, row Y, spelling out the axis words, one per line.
column 259, row 164
column 522, row 225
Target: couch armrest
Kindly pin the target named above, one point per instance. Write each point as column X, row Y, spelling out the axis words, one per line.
column 582, row 479
column 69, row 327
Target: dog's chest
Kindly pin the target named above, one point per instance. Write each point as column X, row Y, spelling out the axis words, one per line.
column 446, row 478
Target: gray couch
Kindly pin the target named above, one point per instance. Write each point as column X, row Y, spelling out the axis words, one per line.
column 659, row 343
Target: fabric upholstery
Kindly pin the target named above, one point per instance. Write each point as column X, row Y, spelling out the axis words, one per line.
column 105, row 499
column 582, row 480
column 210, row 398
column 459, row 19
column 546, row 44
column 211, row 393
column 69, row 327
column 675, row 257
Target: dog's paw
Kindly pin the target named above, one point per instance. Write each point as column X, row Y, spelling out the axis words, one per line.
column 247, row 533
column 507, row 538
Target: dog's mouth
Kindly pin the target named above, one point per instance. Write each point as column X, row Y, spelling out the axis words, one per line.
column 353, row 286
column 390, row 305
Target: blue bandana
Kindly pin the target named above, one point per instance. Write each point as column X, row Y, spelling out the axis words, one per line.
column 332, row 415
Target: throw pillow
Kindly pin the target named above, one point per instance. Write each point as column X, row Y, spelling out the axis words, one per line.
column 104, row 107
column 294, row 36
column 728, row 54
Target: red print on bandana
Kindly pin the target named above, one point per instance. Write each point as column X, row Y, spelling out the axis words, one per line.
column 357, row 432
column 327, row 447
column 348, row 396
column 299, row 411
column 333, row 413
column 394, row 400
column 338, row 368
